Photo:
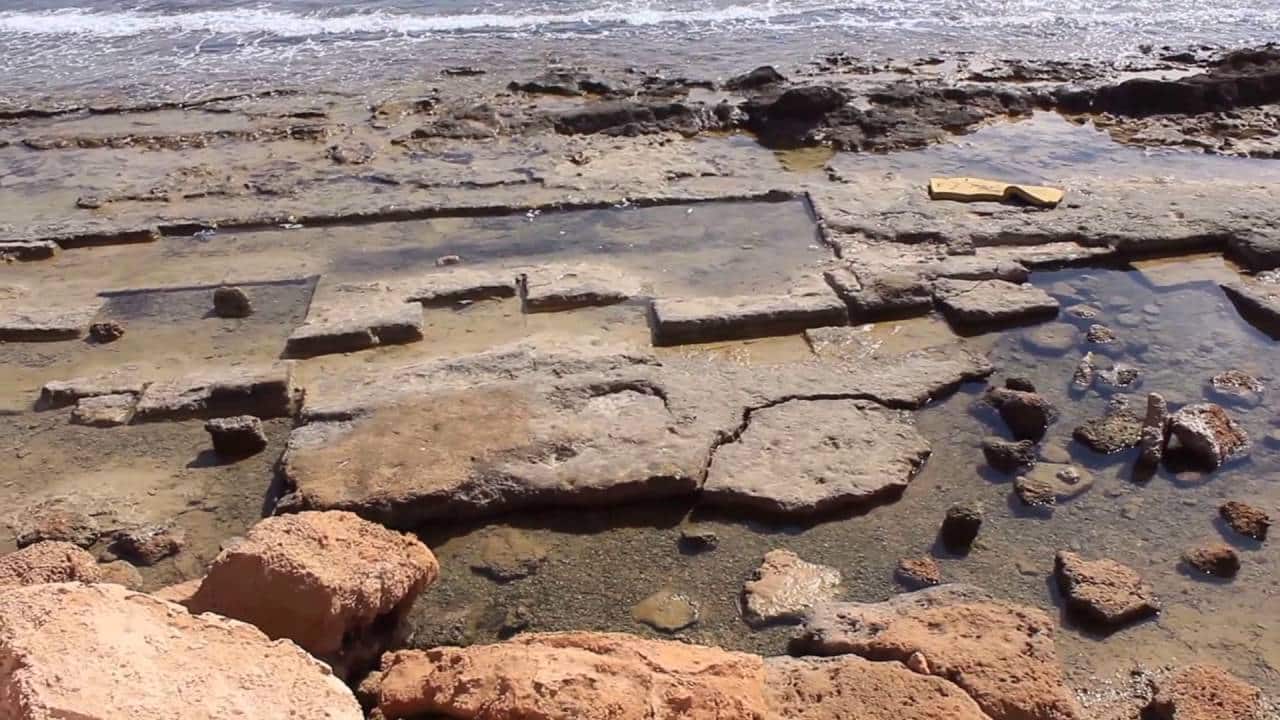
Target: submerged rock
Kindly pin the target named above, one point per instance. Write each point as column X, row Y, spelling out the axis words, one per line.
column 1207, row 432
column 508, row 554
column 1237, row 387
column 918, row 573
column 785, row 588
column 1104, row 592
column 877, row 294
column 1085, row 373
column 231, row 302
column 149, row 544
column 804, row 457
column 696, row 540
column 1245, row 519
column 1217, row 559
column 1203, row 692
column 666, row 611
column 1101, row 335
column 1118, row 430
column 102, row 651
column 1028, row 415
column 1049, row 483
column 331, row 582
column 960, row 633
column 1009, row 457
column 47, row 562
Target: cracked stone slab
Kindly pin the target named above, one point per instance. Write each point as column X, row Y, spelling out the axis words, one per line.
column 911, row 379
column 1048, row 256
column 472, row 451
column 556, row 288
column 678, row 321
column 807, row 457
column 993, row 303
column 1000, row 653
column 45, row 324
column 347, row 317
column 455, row 285
column 264, row 392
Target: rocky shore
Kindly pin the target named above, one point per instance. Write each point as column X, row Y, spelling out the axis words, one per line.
column 601, row 394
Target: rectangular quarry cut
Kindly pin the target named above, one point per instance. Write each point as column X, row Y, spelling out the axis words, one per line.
column 100, row 238
column 448, row 287
column 678, row 321
column 350, row 317
column 44, row 324
column 557, row 288
column 264, row 392
column 28, row 250
column 61, row 393
column 879, row 294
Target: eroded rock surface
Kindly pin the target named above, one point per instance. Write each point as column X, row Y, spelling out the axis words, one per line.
column 999, row 653
column 101, row 652
column 986, row 304
column 329, row 581
column 47, row 562
column 1204, row 692
column 706, row 319
column 804, row 457
column 264, row 392
column 1245, row 519
column 347, row 317
column 1207, row 432
column 1119, row 429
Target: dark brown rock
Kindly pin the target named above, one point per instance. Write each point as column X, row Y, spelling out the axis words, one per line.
column 231, row 302
column 878, row 294
column 1118, row 430
column 148, row 545
column 1103, row 592
column 960, row 526
column 106, row 332
column 1237, row 387
column 1009, row 457
column 1028, row 415
column 1245, row 519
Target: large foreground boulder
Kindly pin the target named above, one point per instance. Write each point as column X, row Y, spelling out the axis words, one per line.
column 1204, row 692
column 101, row 652
column 611, row 676
column 48, row 562
column 329, row 581
column 1000, row 653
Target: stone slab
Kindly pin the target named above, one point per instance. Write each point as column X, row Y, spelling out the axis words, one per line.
column 677, row 321
column 556, row 288
column 993, row 303
column 879, row 294
column 105, row 410
column 806, row 457
column 456, row 285
column 264, row 392
column 348, row 317
column 28, row 250
column 61, row 393
column 45, row 324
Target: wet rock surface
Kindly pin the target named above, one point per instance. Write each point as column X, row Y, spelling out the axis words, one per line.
column 1119, row 429
column 1208, row 433
column 1001, row 655
column 508, row 554
column 1028, row 415
column 1217, row 559
column 785, row 588
column 666, row 611
column 960, row 526
column 1103, row 592
column 1050, row 483
column 988, row 304
column 106, row 637
column 1008, row 457
column 331, row 582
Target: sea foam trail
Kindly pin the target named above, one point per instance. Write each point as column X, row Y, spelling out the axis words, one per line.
column 289, row 24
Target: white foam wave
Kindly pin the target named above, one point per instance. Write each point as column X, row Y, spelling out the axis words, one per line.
column 288, row 24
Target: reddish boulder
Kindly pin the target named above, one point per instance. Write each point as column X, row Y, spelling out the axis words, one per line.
column 1204, row 692
column 584, row 676
column 102, row 652
column 851, row 688
column 48, row 562
column 1000, row 653
column 329, row 581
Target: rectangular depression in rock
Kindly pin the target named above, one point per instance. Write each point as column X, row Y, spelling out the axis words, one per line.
column 346, row 317
column 678, row 321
